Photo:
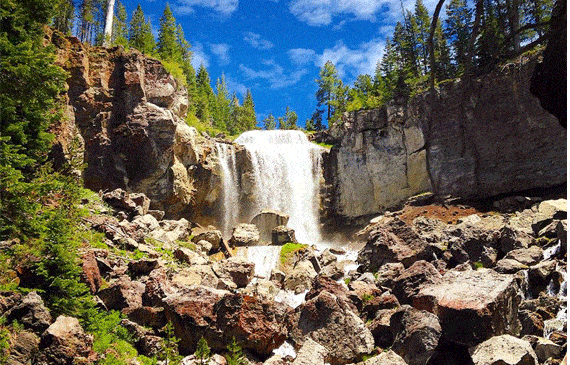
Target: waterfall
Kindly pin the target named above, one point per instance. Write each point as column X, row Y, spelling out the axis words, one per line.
column 287, row 172
column 285, row 176
column 230, row 192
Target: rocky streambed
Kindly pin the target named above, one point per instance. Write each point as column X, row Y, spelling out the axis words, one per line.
column 481, row 288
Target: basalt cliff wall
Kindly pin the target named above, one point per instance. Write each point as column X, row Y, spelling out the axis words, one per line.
column 482, row 138
column 125, row 121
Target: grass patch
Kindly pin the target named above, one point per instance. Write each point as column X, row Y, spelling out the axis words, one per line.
column 324, row 145
column 366, row 297
column 288, row 250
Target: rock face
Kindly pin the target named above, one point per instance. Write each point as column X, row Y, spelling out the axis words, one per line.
column 127, row 112
column 451, row 154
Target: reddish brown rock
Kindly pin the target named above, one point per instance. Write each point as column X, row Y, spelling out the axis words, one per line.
column 153, row 317
column 393, row 241
column 258, row 325
column 192, row 313
column 122, row 294
column 409, row 283
column 380, row 328
column 473, row 305
column 91, row 274
column 64, row 343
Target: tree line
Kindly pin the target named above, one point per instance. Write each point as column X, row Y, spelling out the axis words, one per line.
column 216, row 111
column 471, row 41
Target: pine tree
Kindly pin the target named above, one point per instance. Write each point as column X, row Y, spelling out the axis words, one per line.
column 64, row 13
column 222, row 110
column 422, row 23
column 120, row 31
column 289, row 120
column 329, row 84
column 458, row 31
column 205, row 98
column 249, row 111
column 317, row 119
column 140, row 34
column 269, row 122
column 168, row 46
column 235, row 354
column 202, row 351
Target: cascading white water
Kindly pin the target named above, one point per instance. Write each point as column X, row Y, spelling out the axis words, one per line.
column 230, row 193
column 286, row 177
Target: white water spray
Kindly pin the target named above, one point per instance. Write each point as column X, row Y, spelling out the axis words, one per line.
column 286, row 178
column 230, row 193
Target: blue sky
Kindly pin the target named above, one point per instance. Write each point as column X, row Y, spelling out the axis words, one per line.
column 276, row 47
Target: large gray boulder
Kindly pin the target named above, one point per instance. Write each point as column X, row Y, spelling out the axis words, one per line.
column 416, row 334
column 503, row 350
column 30, row 312
column 311, row 353
column 330, row 321
column 473, row 305
column 549, row 210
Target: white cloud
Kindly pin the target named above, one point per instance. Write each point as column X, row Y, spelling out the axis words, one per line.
column 275, row 75
column 224, row 7
column 301, row 56
column 256, row 41
column 221, row 50
column 353, row 62
column 322, row 12
column 199, row 57
column 235, row 86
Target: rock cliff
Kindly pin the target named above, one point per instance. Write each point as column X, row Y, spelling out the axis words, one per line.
column 125, row 119
column 482, row 139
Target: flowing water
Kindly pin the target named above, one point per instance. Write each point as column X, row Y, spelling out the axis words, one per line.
column 285, row 176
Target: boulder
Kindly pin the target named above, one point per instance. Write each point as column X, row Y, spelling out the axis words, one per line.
column 531, row 323
column 189, row 256
column 470, row 314
column 192, row 313
column 211, row 234
column 245, row 235
column 504, row 350
column 393, row 241
column 259, row 326
column 562, row 234
column 322, row 283
column 236, row 269
column 171, row 231
column 330, row 321
column 281, row 235
column 547, row 211
column 24, row 346
column 31, row 312
column 526, row 256
column 475, row 239
column 266, row 221
column 540, row 276
column 142, row 266
column 416, row 334
column 123, row 293
column 334, row 270
column 380, row 328
column 64, row 342
column 407, row 285
column 546, row 349
column 299, row 278
column 513, row 238
column 509, row 266
column 200, row 275
column 311, row 353
column 387, row 274
column 153, row 317
column 386, row 358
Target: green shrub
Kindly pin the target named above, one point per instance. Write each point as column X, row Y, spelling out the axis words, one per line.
column 235, row 354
